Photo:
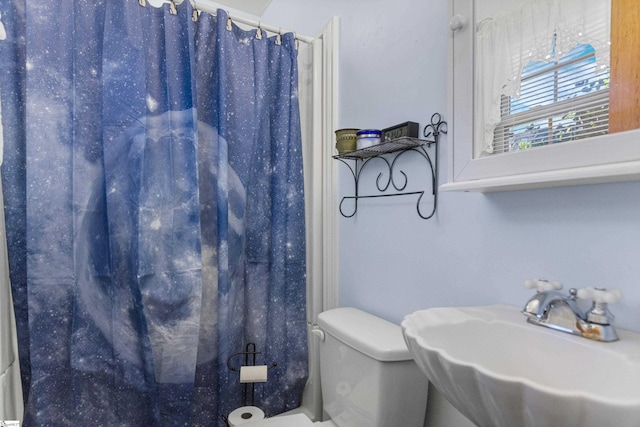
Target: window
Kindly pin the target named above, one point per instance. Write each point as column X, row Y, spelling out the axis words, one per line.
column 559, row 101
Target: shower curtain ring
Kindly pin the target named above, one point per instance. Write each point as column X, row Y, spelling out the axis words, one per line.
column 279, row 36
column 142, row 3
column 296, row 43
column 195, row 14
column 229, row 27
column 259, row 31
column 173, row 9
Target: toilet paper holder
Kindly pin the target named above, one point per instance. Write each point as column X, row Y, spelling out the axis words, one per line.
column 249, row 354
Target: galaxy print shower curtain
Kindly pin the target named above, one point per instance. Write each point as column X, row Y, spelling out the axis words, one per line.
column 154, row 205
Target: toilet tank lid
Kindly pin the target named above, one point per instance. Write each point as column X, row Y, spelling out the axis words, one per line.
column 371, row 335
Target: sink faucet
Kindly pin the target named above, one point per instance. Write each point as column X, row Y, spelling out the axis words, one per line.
column 551, row 308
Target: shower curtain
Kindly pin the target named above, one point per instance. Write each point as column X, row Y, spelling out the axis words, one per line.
column 155, row 212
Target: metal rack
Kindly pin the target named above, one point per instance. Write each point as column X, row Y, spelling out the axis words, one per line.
column 249, row 354
column 357, row 160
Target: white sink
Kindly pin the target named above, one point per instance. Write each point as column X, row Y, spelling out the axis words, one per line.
column 500, row 371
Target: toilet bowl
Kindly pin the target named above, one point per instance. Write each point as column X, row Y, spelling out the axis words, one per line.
column 367, row 375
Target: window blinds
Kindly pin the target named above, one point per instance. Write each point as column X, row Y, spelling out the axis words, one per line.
column 558, row 102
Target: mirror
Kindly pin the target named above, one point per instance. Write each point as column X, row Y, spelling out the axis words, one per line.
column 549, row 123
column 542, row 73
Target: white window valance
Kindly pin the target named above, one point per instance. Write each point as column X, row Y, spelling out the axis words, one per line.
column 506, row 43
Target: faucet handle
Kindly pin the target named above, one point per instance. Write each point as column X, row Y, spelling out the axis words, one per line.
column 543, row 285
column 600, row 295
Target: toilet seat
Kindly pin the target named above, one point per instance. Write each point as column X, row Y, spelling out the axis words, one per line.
column 297, row 420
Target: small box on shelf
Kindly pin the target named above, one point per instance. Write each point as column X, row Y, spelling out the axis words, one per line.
column 408, row 129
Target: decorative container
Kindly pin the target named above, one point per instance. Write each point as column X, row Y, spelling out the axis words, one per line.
column 346, row 140
column 368, row 137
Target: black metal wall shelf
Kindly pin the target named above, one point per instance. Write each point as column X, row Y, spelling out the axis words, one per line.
column 357, row 160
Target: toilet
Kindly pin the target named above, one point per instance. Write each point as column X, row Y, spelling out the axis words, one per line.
column 367, row 375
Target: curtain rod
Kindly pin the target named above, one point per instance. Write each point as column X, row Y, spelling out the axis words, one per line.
column 209, row 7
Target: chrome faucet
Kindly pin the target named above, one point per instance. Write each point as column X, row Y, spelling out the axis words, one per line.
column 551, row 308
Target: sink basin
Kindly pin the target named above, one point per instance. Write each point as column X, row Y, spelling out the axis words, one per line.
column 498, row 370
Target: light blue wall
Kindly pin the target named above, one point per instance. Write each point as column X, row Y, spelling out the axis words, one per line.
column 479, row 248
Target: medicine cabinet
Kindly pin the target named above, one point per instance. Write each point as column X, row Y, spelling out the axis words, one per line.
column 600, row 159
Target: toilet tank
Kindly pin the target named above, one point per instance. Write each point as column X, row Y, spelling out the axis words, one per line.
column 368, row 377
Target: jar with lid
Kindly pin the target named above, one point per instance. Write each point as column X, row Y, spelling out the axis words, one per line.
column 368, row 138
